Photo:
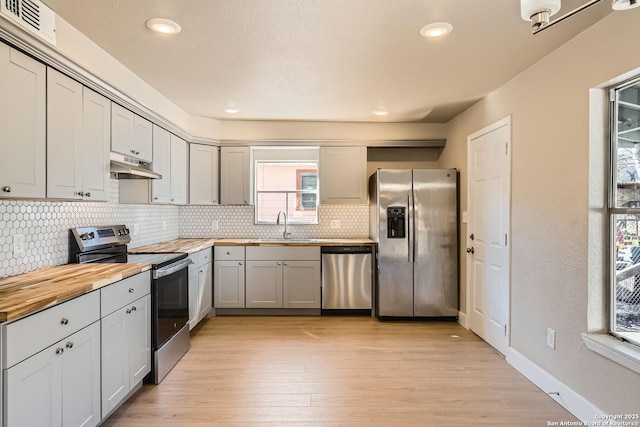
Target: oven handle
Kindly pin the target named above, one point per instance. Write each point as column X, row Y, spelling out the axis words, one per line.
column 171, row 268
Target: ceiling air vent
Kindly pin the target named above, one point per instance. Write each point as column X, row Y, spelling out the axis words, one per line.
column 33, row 15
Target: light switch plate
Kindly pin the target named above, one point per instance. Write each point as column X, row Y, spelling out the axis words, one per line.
column 335, row 224
column 19, row 245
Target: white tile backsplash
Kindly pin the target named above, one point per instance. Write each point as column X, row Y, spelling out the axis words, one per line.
column 46, row 224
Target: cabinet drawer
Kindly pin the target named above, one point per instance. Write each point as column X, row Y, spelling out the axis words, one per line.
column 278, row 253
column 228, row 253
column 32, row 334
column 124, row 292
column 201, row 258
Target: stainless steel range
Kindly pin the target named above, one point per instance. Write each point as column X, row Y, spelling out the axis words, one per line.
column 169, row 289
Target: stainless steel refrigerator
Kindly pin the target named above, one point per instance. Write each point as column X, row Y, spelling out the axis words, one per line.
column 414, row 221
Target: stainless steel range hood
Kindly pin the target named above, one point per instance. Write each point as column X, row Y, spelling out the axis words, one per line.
column 125, row 167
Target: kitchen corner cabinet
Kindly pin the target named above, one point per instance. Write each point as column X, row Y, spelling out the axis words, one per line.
column 229, row 276
column 78, row 134
column 53, row 378
column 23, row 123
column 131, row 134
column 234, row 176
column 204, row 161
column 200, row 286
column 343, row 175
column 126, row 338
column 282, row 277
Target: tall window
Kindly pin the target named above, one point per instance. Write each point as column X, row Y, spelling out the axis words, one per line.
column 286, row 186
column 624, row 212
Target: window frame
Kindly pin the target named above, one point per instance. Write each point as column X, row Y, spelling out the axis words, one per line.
column 613, row 210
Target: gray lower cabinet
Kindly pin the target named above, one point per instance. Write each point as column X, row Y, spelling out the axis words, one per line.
column 228, row 276
column 126, row 338
column 200, row 286
column 53, row 378
column 282, row 277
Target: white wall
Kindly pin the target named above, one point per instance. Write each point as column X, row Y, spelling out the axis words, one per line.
column 549, row 104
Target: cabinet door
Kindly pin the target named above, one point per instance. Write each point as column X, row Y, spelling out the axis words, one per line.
column 23, row 123
column 193, row 297
column 115, row 360
column 161, row 188
column 122, row 130
column 138, row 323
column 64, row 136
column 343, row 175
column 81, row 377
column 264, row 284
column 301, row 284
column 33, row 390
column 178, row 170
column 229, row 284
column 203, row 174
column 96, row 118
column 142, row 142
column 205, row 282
column 234, row 175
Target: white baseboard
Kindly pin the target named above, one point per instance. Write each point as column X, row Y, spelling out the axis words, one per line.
column 580, row 407
column 462, row 320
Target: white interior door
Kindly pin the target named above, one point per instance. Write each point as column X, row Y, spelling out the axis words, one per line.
column 488, row 255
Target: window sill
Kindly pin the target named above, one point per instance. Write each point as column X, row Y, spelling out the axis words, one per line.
column 627, row 355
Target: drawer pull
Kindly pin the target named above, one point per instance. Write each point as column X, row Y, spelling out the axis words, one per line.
column 239, row 263
column 128, row 311
column 228, row 253
column 130, row 290
column 6, row 189
column 64, row 321
column 69, row 344
column 133, row 308
column 59, row 350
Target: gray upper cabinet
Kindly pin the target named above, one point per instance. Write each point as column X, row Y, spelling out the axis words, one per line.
column 179, row 159
column 204, row 163
column 234, row 176
column 23, row 124
column 78, row 134
column 343, row 175
column 161, row 188
column 131, row 134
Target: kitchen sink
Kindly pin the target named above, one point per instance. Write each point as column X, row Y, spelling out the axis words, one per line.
column 285, row 240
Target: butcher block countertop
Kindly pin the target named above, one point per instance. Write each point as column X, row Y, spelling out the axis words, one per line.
column 30, row 292
column 194, row 245
column 189, row 246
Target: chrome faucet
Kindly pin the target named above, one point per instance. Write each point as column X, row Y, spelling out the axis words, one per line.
column 285, row 235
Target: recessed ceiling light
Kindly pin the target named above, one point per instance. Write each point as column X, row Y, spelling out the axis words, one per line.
column 624, row 4
column 380, row 112
column 165, row 26
column 232, row 110
column 435, row 30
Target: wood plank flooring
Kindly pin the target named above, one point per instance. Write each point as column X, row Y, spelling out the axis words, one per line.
column 339, row 371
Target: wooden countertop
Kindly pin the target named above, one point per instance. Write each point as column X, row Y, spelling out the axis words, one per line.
column 178, row 245
column 194, row 245
column 30, row 292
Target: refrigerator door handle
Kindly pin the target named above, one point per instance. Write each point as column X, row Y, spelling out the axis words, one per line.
column 413, row 220
column 410, row 228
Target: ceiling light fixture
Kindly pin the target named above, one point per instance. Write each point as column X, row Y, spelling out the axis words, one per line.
column 436, row 30
column 165, row 26
column 539, row 12
column 232, row 110
column 380, row 112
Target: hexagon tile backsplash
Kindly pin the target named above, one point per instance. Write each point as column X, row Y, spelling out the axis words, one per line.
column 45, row 226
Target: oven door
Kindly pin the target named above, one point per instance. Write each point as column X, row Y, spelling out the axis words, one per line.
column 170, row 301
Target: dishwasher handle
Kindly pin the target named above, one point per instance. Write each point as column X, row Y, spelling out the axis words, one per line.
column 366, row 249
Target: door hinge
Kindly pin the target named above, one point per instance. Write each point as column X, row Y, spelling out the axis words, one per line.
column 505, row 330
column 506, row 147
column 505, row 239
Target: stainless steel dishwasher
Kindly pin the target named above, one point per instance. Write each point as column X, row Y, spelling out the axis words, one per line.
column 346, row 278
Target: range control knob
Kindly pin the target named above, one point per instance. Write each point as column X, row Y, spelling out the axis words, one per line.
column 87, row 236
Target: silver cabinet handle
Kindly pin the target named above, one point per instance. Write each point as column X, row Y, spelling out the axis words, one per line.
column 64, row 321
column 155, row 198
column 87, row 194
column 135, row 152
column 228, row 253
column 69, row 344
column 6, row 189
column 80, row 193
column 279, row 263
column 133, row 308
column 285, row 264
column 215, row 201
column 59, row 350
column 128, row 311
column 130, row 290
column 239, row 263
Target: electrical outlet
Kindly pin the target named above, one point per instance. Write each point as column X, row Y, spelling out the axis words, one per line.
column 19, row 245
column 335, row 224
column 214, row 225
column 551, row 338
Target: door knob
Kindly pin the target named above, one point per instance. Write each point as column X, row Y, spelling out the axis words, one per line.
column 470, row 250
column 6, row 189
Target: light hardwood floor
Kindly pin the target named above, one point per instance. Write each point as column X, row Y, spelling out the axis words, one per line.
column 339, row 371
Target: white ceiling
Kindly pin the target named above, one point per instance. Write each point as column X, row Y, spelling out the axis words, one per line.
column 327, row 60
